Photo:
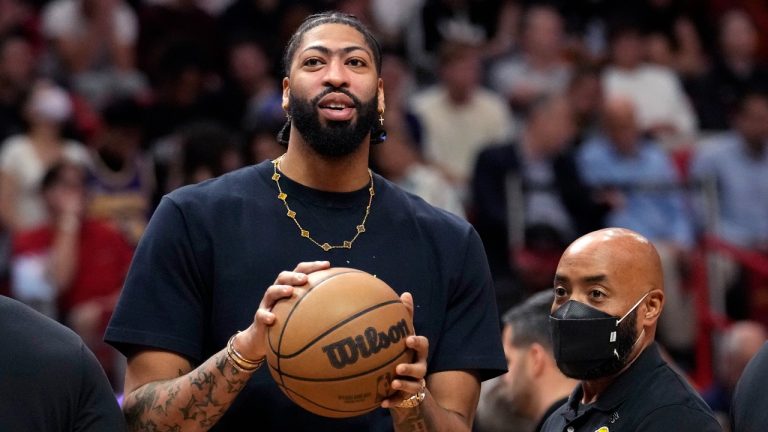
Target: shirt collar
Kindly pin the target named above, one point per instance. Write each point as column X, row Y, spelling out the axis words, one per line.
column 617, row 391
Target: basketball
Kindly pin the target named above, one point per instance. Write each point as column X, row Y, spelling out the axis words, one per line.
column 336, row 342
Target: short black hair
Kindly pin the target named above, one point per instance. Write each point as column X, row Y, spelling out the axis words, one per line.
column 530, row 321
column 330, row 17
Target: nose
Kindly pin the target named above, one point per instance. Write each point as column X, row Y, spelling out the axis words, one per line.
column 336, row 74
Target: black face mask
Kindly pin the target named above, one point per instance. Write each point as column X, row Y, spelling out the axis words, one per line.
column 588, row 343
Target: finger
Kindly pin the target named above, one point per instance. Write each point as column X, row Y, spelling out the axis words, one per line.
column 311, row 266
column 420, row 344
column 274, row 294
column 291, row 278
column 407, row 387
column 407, row 300
column 415, row 371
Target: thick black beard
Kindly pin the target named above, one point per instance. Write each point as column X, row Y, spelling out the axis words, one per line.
column 626, row 336
column 338, row 138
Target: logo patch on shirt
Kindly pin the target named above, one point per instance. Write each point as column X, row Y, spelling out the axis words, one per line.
column 602, row 429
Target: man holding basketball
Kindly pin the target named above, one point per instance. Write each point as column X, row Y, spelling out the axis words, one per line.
column 210, row 254
column 609, row 293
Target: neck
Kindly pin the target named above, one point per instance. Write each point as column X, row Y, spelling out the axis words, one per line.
column 594, row 388
column 44, row 135
column 305, row 166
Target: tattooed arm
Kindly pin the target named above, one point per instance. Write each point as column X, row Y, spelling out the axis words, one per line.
column 163, row 391
column 192, row 401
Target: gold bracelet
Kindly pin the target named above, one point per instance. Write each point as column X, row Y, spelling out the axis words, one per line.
column 238, row 360
column 415, row 400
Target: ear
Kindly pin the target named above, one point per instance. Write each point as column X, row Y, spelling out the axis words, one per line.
column 653, row 307
column 286, row 93
column 381, row 105
column 537, row 359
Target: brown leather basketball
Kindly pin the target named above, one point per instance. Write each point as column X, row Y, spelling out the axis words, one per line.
column 333, row 348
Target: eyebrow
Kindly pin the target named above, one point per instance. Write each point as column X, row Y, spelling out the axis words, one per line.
column 587, row 279
column 346, row 50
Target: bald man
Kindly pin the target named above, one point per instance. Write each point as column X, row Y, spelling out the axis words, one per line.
column 609, row 293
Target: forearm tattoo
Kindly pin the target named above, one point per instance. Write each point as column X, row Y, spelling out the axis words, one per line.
column 192, row 402
column 411, row 420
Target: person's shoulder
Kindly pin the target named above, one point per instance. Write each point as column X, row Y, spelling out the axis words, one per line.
column 234, row 185
column 429, row 217
column 51, row 342
column 15, row 144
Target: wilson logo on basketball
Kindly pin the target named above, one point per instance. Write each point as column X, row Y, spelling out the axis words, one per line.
column 347, row 351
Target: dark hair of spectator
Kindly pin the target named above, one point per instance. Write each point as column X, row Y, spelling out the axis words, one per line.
column 204, row 145
column 330, row 17
column 123, row 113
column 530, row 321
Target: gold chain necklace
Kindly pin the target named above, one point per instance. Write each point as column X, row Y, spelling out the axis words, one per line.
column 282, row 196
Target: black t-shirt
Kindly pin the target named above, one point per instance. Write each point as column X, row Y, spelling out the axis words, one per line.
column 749, row 410
column 648, row 397
column 49, row 380
column 212, row 249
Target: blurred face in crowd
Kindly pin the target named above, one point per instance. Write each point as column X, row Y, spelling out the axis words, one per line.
column 67, row 191
column 620, row 125
column 333, row 92
column 543, row 33
column 553, row 125
column 628, row 50
column 519, row 380
column 16, row 61
column 659, row 50
column 738, row 36
column 585, row 95
column 248, row 63
column 752, row 121
column 460, row 73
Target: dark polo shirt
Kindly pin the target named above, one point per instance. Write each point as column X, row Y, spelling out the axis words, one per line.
column 649, row 396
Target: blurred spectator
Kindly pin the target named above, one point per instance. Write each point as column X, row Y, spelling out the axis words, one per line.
column 737, row 163
column 459, row 116
column 662, row 108
column 736, row 347
column 199, row 151
column 93, row 46
column 121, row 179
column 251, row 96
column 170, row 23
column 637, row 178
column 182, row 93
column 25, row 158
column 262, row 144
column 539, row 68
column 82, row 260
column 17, row 18
column 399, row 162
column 17, row 73
column 533, row 387
column 271, row 22
column 585, row 95
column 735, row 71
column 555, row 206
column 399, row 158
column 392, row 18
column 487, row 24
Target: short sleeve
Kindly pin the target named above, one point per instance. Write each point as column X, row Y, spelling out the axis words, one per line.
column 98, row 409
column 471, row 338
column 76, row 153
column 10, row 156
column 679, row 418
column 162, row 302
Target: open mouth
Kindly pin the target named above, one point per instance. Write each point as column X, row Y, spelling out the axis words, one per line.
column 337, row 107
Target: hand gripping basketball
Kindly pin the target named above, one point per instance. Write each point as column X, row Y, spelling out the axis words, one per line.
column 252, row 342
column 410, row 381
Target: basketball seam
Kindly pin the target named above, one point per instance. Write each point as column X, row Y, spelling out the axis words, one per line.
column 288, row 318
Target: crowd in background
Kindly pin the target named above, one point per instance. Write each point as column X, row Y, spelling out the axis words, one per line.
column 537, row 121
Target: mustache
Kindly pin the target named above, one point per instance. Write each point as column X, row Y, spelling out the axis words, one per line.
column 331, row 89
